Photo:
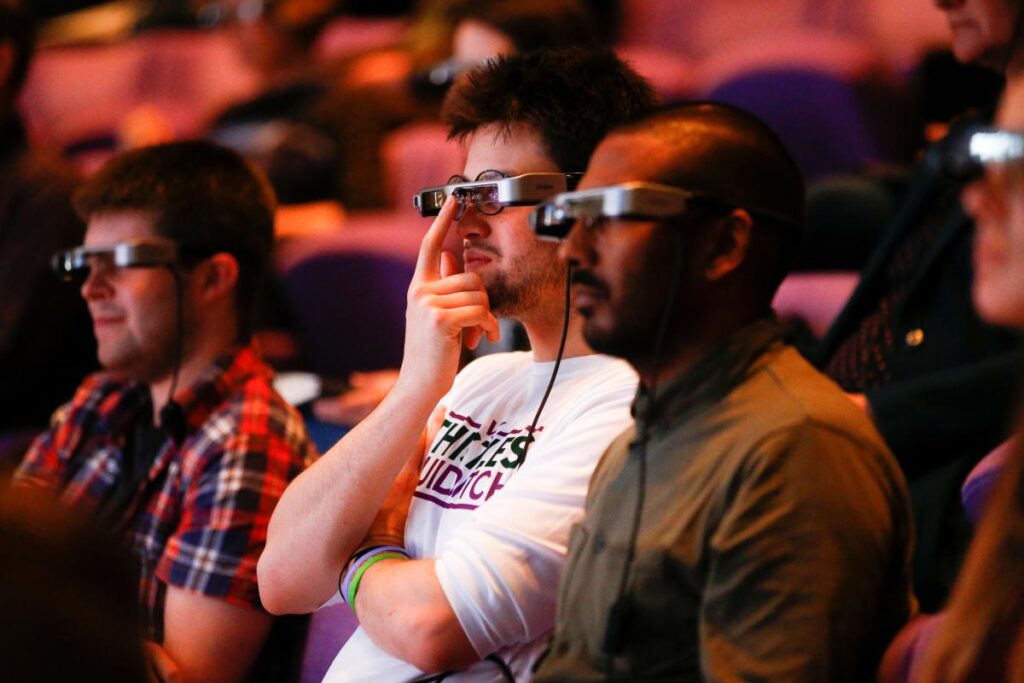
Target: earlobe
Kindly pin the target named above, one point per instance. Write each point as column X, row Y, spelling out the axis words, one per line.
column 731, row 241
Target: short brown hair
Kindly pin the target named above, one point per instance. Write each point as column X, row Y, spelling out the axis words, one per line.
column 202, row 196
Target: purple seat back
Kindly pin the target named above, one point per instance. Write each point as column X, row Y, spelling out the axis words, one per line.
column 329, row 628
column 349, row 308
column 818, row 115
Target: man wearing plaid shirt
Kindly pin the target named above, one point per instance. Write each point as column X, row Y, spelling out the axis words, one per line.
column 180, row 443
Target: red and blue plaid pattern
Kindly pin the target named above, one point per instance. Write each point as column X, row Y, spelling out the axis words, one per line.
column 199, row 519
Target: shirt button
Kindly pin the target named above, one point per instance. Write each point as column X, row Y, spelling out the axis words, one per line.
column 915, row 337
column 599, row 544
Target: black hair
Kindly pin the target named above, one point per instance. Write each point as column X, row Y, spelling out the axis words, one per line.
column 18, row 27
column 535, row 24
column 732, row 156
column 571, row 97
column 202, row 196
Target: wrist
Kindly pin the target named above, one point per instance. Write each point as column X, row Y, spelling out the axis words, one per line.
column 352, row 573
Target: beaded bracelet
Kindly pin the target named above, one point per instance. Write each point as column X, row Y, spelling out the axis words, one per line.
column 360, row 562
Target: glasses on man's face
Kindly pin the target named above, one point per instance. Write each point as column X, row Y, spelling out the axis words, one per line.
column 492, row 191
column 636, row 201
column 76, row 264
column 968, row 155
column 990, row 159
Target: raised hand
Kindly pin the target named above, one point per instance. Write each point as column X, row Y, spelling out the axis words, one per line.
column 443, row 304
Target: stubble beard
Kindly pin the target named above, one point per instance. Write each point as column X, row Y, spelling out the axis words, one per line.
column 532, row 294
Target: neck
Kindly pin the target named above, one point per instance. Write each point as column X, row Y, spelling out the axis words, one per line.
column 683, row 349
column 546, row 335
column 194, row 362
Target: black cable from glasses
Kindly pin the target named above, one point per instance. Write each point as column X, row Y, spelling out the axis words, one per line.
column 172, row 415
column 618, row 618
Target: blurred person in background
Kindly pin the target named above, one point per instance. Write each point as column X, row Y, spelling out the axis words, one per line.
column 909, row 348
column 386, row 89
column 980, row 636
column 46, row 342
column 67, row 602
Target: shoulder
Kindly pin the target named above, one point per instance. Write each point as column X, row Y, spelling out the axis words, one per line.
column 255, row 423
column 789, row 394
column 98, row 393
column 799, row 424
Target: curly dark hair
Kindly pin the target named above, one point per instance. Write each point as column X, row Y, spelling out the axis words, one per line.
column 572, row 97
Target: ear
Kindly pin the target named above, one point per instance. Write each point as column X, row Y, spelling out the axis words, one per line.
column 730, row 241
column 216, row 277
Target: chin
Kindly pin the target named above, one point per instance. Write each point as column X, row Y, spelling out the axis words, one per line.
column 998, row 310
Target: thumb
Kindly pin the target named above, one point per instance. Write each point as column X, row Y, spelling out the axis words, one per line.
column 449, row 266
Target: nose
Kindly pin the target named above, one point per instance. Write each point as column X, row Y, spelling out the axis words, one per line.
column 96, row 285
column 576, row 249
column 981, row 200
column 472, row 224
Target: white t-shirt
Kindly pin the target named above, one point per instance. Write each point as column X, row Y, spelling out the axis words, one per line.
column 497, row 522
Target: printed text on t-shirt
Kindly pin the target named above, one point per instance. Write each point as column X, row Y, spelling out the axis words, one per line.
column 467, row 464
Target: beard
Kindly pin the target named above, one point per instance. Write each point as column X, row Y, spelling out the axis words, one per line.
column 527, row 286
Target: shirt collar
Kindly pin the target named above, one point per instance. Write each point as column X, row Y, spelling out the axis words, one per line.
column 217, row 383
column 709, row 379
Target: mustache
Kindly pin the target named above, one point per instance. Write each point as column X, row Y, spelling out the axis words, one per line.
column 587, row 279
column 480, row 246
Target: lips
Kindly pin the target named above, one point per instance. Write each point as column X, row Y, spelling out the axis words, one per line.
column 585, row 298
column 105, row 318
column 476, row 258
column 587, row 291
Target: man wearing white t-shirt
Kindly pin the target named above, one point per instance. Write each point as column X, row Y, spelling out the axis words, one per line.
column 443, row 517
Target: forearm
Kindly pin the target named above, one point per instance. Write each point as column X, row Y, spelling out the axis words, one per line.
column 325, row 512
column 405, row 612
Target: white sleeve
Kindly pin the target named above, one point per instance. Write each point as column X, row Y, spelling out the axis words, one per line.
column 500, row 570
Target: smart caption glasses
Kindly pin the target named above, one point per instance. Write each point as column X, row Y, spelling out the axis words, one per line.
column 630, row 201
column 634, row 201
column 75, row 264
column 492, row 191
column 967, row 154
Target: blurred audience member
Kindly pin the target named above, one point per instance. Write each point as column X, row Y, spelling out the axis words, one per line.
column 279, row 129
column 451, row 36
column 980, row 636
column 180, row 443
column 909, row 348
column 46, row 345
column 752, row 526
column 67, row 601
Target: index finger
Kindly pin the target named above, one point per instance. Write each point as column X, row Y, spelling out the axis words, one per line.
column 428, row 263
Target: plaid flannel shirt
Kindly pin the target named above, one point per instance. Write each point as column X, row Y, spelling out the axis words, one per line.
column 199, row 518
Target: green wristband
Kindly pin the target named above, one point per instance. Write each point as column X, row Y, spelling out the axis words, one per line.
column 353, row 586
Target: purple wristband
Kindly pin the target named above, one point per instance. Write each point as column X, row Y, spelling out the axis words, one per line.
column 359, row 559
